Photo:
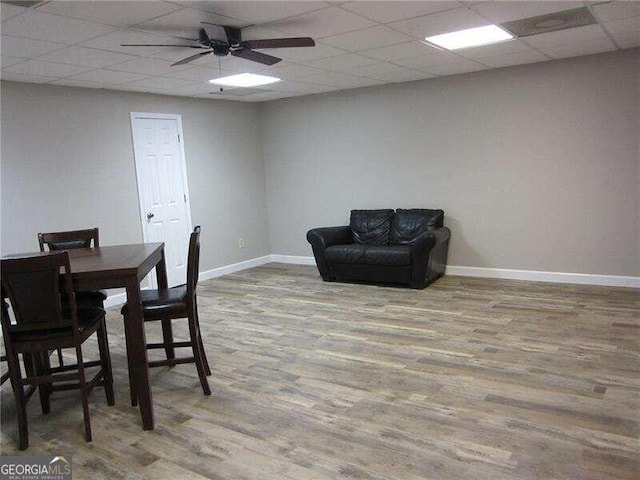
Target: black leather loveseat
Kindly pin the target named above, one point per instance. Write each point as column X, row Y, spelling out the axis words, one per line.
column 402, row 247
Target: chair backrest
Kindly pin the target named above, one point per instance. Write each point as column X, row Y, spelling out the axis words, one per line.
column 32, row 286
column 70, row 239
column 193, row 261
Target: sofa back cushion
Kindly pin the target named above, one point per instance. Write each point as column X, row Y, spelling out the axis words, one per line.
column 371, row 227
column 407, row 225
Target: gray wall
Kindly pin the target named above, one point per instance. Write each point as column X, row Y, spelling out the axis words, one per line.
column 67, row 163
column 537, row 167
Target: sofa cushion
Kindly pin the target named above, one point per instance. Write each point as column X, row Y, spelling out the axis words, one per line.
column 407, row 225
column 371, row 227
column 392, row 255
column 350, row 253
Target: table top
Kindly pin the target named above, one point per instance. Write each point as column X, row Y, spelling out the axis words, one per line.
column 116, row 259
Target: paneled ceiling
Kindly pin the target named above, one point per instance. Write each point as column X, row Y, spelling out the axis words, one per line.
column 358, row 44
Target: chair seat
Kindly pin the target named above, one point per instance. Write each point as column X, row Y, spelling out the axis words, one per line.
column 88, row 322
column 162, row 302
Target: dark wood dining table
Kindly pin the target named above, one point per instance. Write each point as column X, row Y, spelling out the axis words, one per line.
column 116, row 267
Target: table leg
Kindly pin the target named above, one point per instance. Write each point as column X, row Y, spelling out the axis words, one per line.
column 167, row 331
column 136, row 342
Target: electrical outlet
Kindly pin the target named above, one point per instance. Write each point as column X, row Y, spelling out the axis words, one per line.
column 241, row 243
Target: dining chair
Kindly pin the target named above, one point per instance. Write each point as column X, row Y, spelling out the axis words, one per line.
column 176, row 303
column 32, row 286
column 53, row 241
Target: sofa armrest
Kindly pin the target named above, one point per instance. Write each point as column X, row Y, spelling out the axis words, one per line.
column 320, row 239
column 422, row 252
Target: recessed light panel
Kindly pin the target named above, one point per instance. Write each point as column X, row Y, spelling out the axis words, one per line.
column 472, row 37
column 244, row 80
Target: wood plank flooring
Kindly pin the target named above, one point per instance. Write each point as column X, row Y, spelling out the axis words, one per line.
column 468, row 379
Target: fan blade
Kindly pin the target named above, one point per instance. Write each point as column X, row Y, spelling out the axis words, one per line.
column 204, row 38
column 219, row 33
column 282, row 42
column 154, row 45
column 191, row 58
column 256, row 57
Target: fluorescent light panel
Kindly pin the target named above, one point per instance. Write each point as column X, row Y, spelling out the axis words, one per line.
column 472, row 37
column 244, row 80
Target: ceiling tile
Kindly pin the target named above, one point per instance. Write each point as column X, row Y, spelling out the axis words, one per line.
column 625, row 32
column 503, row 48
column 196, row 74
column 341, row 62
column 399, row 51
column 116, row 13
column 45, row 69
column 52, row 28
column 508, row 59
column 87, row 57
column 464, row 66
column 8, row 61
column 293, row 72
column 428, row 59
column 322, row 23
column 148, row 66
column 305, row 54
column 108, row 76
column 575, row 49
column 340, row 80
column 113, row 41
column 8, row 11
column 160, row 82
column 445, row 22
column 259, row 12
column 499, row 12
column 385, row 12
column 367, row 38
column 187, row 23
column 571, row 35
column 607, row 12
column 67, row 82
column 21, row 77
column 26, row 48
column 402, row 75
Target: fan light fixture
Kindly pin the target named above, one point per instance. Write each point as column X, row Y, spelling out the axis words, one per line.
column 472, row 37
column 244, row 80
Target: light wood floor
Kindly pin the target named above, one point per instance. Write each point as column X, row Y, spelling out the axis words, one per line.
column 468, row 379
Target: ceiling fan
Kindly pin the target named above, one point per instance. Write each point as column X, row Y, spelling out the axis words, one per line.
column 234, row 45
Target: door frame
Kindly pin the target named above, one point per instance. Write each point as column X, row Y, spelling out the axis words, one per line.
column 183, row 165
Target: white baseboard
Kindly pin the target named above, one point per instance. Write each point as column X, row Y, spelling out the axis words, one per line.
column 115, row 300
column 297, row 260
column 505, row 273
column 509, row 274
column 234, row 267
column 541, row 276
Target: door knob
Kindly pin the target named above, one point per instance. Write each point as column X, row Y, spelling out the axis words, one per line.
column 150, row 216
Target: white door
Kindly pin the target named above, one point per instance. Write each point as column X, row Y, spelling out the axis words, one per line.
column 162, row 188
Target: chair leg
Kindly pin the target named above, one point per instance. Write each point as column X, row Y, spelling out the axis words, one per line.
column 167, row 338
column 84, row 393
column 21, row 402
column 197, row 354
column 207, row 370
column 34, row 366
column 43, row 367
column 105, row 361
